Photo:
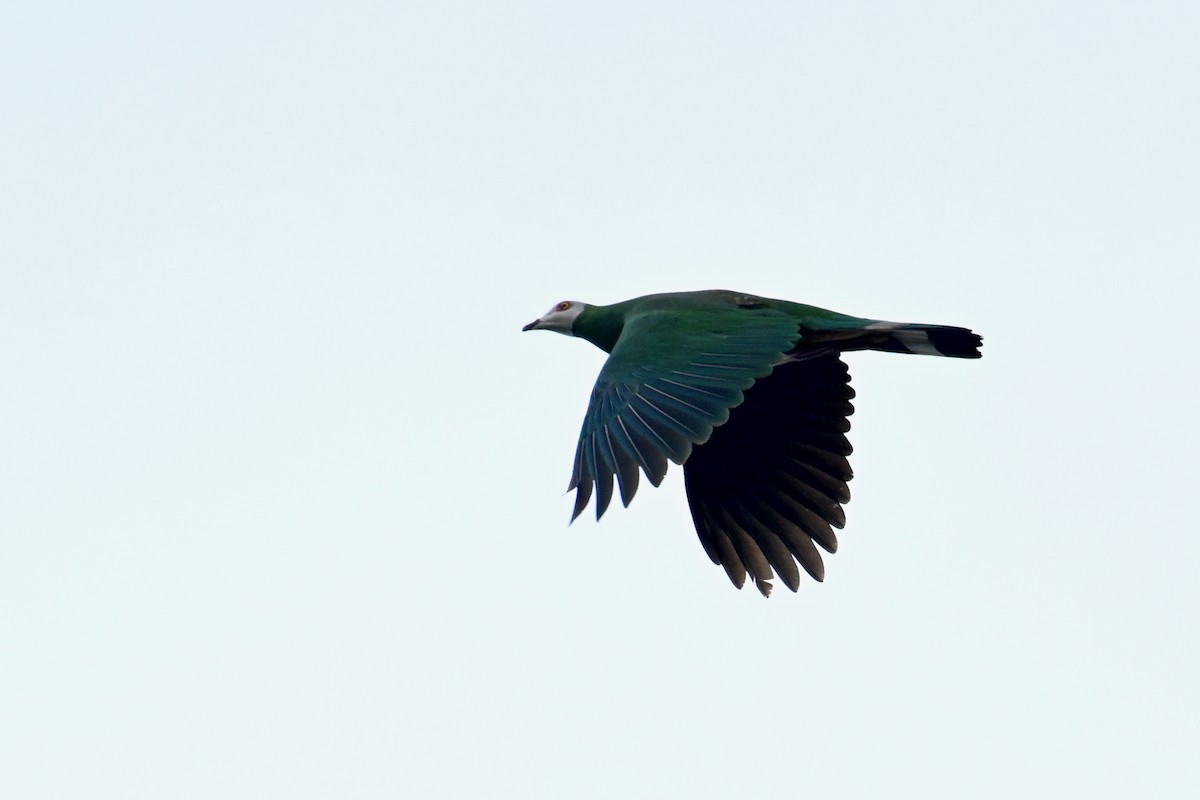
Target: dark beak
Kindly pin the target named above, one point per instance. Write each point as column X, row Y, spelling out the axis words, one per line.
column 531, row 325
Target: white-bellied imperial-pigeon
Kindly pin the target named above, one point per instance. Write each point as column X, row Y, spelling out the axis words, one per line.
column 751, row 396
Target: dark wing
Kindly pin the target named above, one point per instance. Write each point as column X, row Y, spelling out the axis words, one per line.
column 670, row 380
column 771, row 481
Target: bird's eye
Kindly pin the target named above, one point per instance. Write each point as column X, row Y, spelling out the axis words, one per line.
column 564, row 305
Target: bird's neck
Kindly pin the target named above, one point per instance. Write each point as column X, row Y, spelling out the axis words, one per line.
column 601, row 325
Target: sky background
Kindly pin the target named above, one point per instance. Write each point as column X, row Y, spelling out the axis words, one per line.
column 282, row 506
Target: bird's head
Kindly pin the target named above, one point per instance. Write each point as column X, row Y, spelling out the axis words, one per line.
column 561, row 318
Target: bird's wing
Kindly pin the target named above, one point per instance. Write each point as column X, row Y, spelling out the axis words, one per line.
column 670, row 380
column 771, row 481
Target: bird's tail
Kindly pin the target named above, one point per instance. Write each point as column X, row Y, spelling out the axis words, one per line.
column 898, row 337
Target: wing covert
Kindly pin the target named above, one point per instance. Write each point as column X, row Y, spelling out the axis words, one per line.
column 671, row 378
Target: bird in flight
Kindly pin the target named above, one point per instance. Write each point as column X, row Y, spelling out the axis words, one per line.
column 749, row 395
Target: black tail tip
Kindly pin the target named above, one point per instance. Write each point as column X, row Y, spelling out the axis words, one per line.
column 956, row 342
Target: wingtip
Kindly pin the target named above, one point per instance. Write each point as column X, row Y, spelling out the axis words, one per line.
column 582, row 494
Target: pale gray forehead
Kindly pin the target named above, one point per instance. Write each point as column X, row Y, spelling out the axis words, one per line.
column 569, row 314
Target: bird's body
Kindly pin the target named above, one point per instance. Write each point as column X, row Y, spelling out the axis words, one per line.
column 750, row 395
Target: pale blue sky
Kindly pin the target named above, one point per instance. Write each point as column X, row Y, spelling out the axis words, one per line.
column 283, row 511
